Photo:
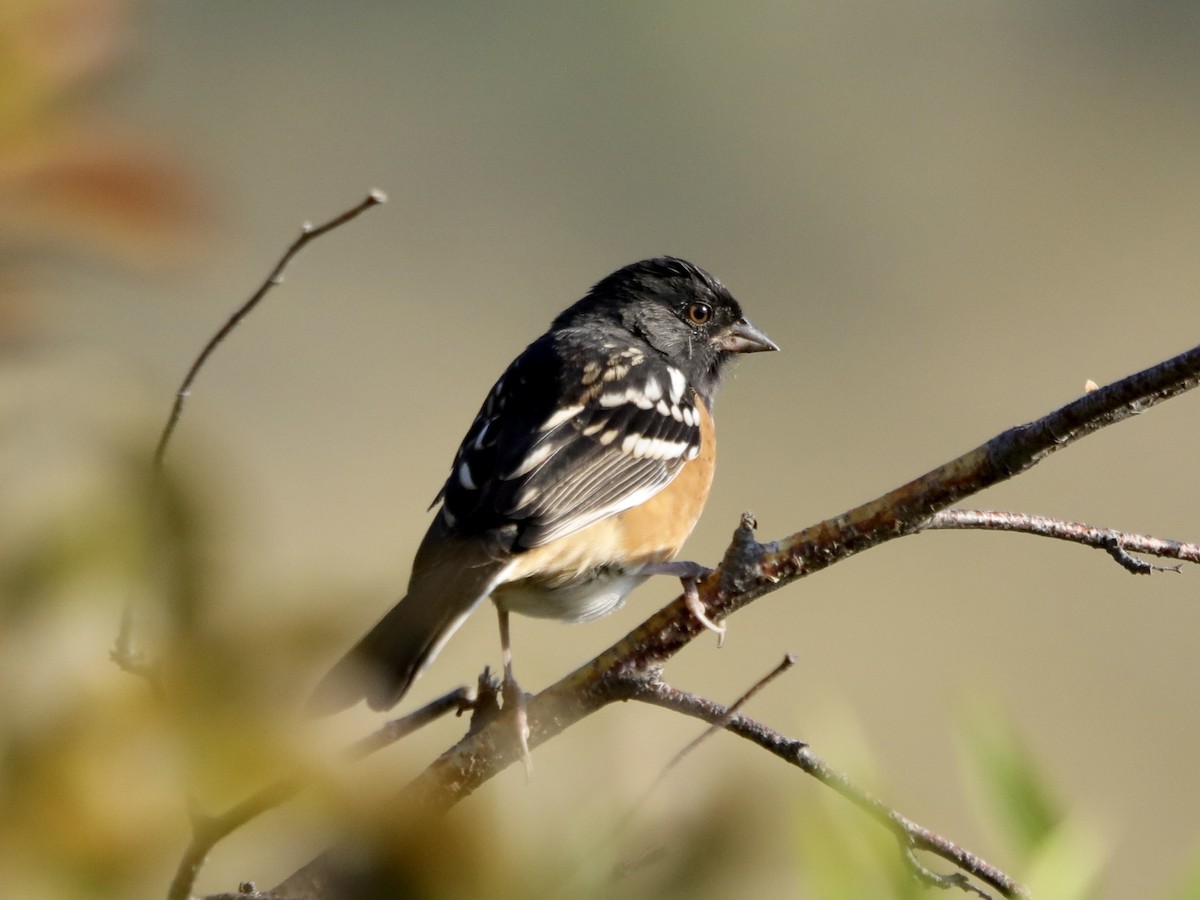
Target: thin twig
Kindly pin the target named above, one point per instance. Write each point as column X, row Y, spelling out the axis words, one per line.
column 459, row 700
column 788, row 661
column 944, row 881
column 307, row 233
column 1117, row 544
column 798, row 753
column 647, row 856
column 123, row 652
column 208, row 830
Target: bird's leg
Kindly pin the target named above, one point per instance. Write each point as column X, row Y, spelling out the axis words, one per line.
column 689, row 574
column 514, row 697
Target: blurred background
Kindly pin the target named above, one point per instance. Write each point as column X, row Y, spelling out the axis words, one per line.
column 949, row 215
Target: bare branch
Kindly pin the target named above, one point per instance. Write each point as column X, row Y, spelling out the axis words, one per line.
column 911, row 835
column 905, row 510
column 750, row 570
column 307, row 233
column 1117, row 544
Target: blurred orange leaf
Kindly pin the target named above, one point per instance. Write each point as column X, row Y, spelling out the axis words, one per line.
column 105, row 194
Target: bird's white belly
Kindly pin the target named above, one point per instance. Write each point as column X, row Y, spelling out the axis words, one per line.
column 585, row 597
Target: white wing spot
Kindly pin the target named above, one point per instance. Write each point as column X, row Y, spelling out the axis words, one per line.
column 483, row 430
column 692, row 452
column 652, row 389
column 609, row 436
column 565, row 414
column 595, row 427
column 678, row 384
column 608, row 401
column 629, row 444
column 532, row 460
column 464, row 477
column 496, row 397
column 660, row 449
column 528, row 494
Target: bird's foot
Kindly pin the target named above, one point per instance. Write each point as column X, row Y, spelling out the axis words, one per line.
column 690, row 574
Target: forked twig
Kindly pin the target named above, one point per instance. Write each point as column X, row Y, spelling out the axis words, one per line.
column 788, row 661
column 649, row 854
column 207, row 830
column 911, row 835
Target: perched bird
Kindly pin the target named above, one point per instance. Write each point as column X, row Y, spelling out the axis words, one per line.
column 583, row 473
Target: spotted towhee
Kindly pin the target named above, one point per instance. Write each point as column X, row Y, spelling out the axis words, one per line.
column 583, row 473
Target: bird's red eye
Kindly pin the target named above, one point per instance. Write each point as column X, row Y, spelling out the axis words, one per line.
column 699, row 313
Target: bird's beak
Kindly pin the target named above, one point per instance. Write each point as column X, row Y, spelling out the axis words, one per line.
column 743, row 337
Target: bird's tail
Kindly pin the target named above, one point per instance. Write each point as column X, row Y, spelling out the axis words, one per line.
column 449, row 580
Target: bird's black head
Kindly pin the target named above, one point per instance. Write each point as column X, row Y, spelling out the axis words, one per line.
column 677, row 308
